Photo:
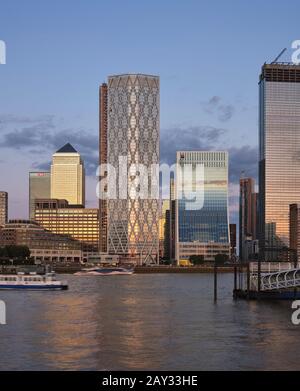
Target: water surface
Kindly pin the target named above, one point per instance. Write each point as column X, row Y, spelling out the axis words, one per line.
column 152, row 321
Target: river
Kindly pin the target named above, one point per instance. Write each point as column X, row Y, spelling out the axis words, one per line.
column 141, row 322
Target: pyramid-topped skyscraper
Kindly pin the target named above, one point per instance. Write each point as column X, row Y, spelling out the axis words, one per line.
column 68, row 176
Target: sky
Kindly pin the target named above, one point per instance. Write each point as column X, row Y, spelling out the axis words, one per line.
column 208, row 55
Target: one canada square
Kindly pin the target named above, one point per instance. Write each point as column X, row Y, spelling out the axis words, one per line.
column 279, row 166
column 129, row 144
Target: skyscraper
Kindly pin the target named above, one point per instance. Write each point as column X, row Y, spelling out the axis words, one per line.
column 68, row 176
column 295, row 229
column 202, row 223
column 172, row 223
column 248, row 211
column 279, row 149
column 3, row 208
column 163, row 227
column 133, row 136
column 232, row 230
column 103, row 160
column 39, row 187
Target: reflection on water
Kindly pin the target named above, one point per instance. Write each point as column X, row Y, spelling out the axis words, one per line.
column 165, row 322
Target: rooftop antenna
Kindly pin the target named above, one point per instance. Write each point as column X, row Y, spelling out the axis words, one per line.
column 278, row 57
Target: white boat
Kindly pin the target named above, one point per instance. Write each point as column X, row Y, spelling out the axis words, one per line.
column 32, row 281
column 104, row 271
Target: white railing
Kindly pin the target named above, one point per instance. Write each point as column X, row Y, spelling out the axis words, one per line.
column 283, row 279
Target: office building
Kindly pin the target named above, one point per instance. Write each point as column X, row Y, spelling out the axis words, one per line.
column 133, row 136
column 255, row 217
column 295, row 229
column 202, row 224
column 279, row 163
column 68, row 176
column 165, row 207
column 44, row 246
column 232, row 230
column 172, row 221
column 103, row 120
column 3, row 208
column 167, row 235
column 81, row 224
column 247, row 216
column 39, row 187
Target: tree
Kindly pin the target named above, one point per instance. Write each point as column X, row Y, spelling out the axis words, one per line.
column 197, row 259
column 220, row 259
column 18, row 252
column 3, row 253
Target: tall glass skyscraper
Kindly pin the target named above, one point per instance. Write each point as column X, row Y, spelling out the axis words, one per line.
column 247, row 217
column 39, row 187
column 68, row 176
column 202, row 223
column 279, row 149
column 103, row 160
column 133, row 134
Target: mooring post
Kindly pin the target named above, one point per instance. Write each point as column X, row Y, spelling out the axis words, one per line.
column 215, row 282
column 295, row 255
column 248, row 280
column 258, row 278
column 235, row 281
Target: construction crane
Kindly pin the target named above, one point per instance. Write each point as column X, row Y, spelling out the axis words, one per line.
column 279, row 55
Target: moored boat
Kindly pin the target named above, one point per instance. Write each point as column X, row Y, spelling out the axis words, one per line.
column 31, row 281
column 104, row 271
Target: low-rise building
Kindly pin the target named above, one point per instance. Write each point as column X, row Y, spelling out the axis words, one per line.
column 3, row 207
column 80, row 223
column 44, row 246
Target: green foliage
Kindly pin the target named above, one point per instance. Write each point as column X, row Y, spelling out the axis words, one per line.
column 197, row 259
column 220, row 259
column 14, row 252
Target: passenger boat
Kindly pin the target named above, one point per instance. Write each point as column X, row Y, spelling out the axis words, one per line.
column 104, row 271
column 32, row 281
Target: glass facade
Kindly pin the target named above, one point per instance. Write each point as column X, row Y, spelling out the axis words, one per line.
column 68, row 176
column 39, row 187
column 133, row 132
column 61, row 218
column 279, row 166
column 103, row 160
column 3, row 207
column 202, row 206
column 163, row 237
column 247, row 216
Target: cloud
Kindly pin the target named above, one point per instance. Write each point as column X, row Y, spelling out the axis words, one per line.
column 40, row 136
column 34, row 135
column 244, row 158
column 225, row 112
column 45, row 166
column 214, row 106
column 192, row 138
column 6, row 119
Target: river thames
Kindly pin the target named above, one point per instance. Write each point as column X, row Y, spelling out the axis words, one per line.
column 142, row 322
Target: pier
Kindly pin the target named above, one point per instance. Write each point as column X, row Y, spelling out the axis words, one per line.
column 267, row 280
